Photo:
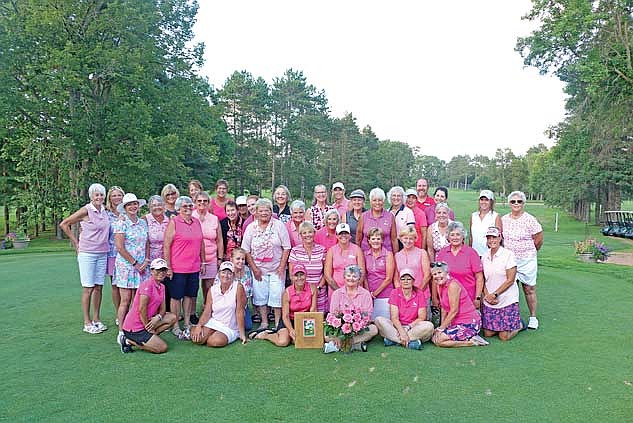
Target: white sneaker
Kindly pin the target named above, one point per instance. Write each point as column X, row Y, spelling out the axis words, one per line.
column 91, row 329
column 533, row 323
column 119, row 338
column 330, row 347
column 99, row 325
column 478, row 340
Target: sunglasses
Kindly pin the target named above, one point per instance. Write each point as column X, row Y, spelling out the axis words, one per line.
column 162, row 270
column 202, row 201
column 187, row 206
column 438, row 264
column 170, row 193
column 516, row 201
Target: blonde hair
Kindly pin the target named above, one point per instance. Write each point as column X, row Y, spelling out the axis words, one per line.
column 408, row 231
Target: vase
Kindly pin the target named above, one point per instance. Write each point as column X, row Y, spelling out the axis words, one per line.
column 346, row 345
column 586, row 257
column 17, row 244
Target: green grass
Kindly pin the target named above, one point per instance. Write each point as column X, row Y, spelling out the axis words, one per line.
column 576, row 367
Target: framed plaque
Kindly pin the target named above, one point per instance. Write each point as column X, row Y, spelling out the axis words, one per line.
column 309, row 329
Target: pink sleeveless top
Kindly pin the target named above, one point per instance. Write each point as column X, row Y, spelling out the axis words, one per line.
column 185, row 249
column 340, row 261
column 467, row 312
column 209, row 234
column 299, row 301
column 412, row 260
column 95, row 232
column 224, row 305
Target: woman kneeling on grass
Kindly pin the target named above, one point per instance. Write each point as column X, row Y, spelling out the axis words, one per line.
column 147, row 317
column 460, row 320
column 298, row 297
column 500, row 310
column 222, row 320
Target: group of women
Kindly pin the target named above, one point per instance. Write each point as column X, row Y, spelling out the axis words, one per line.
column 400, row 264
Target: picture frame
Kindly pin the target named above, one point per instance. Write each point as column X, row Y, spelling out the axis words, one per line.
column 309, row 330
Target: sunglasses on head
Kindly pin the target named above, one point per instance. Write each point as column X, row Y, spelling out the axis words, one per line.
column 516, row 201
column 438, row 264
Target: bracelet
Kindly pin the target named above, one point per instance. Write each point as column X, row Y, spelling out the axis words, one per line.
column 159, row 317
column 135, row 263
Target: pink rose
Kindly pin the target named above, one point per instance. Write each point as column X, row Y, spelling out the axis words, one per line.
column 330, row 317
column 347, row 317
column 346, row 328
column 336, row 322
column 358, row 317
column 356, row 326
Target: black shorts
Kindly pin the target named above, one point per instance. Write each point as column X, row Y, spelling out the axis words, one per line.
column 140, row 337
column 184, row 285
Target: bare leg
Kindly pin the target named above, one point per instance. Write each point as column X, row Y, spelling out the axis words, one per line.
column 281, row 338
column 96, row 303
column 126, row 298
column 206, row 285
column 277, row 311
column 168, row 321
column 154, row 345
column 217, row 340
column 116, row 297
column 86, row 293
column 187, row 304
column 174, row 305
column 263, row 311
column 442, row 340
column 530, row 298
column 490, row 333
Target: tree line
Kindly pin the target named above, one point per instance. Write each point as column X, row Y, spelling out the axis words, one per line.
column 110, row 91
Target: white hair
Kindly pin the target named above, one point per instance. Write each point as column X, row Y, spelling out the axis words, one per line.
column 94, row 188
column 377, row 193
column 517, row 194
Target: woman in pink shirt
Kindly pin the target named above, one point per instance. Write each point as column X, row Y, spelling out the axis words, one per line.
column 380, row 265
column 92, row 253
column 219, row 202
column 501, row 314
column 326, row 236
column 407, row 324
column 184, row 253
column 416, row 259
column 298, row 297
column 222, row 321
column 464, row 263
column 339, row 257
column 213, row 242
column 377, row 217
column 312, row 257
column 147, row 318
column 460, row 320
column 298, row 215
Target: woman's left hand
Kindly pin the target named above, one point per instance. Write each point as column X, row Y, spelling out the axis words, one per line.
column 491, row 299
column 244, row 339
column 202, row 269
column 142, row 266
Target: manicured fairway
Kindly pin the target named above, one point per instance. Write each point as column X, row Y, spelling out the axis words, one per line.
column 577, row 367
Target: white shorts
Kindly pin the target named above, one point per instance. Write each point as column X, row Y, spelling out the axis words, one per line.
column 526, row 271
column 231, row 334
column 268, row 291
column 381, row 308
column 92, row 268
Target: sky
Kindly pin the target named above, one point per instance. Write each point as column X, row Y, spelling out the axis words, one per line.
column 441, row 75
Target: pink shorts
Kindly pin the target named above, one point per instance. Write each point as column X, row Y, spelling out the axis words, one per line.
column 210, row 270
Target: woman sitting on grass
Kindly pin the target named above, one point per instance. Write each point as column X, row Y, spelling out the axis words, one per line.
column 460, row 320
column 298, row 297
column 501, row 314
column 408, row 325
column 147, row 319
column 222, row 320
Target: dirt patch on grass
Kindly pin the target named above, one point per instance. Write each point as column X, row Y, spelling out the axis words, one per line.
column 625, row 259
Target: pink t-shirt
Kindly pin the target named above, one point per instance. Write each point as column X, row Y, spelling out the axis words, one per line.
column 324, row 238
column 340, row 260
column 217, row 209
column 408, row 309
column 420, row 225
column 313, row 262
column 517, row 234
column 342, row 208
column 377, row 272
column 156, row 293
column 467, row 312
column 495, row 273
column 95, row 232
column 293, row 233
column 384, row 222
column 266, row 245
column 301, row 301
column 209, row 223
column 412, row 259
column 462, row 266
column 362, row 300
column 185, row 249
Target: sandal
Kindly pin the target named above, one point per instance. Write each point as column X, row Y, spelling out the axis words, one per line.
column 252, row 335
column 177, row 332
column 256, row 318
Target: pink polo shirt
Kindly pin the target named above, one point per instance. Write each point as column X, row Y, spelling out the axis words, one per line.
column 408, row 309
column 299, row 301
column 341, row 259
column 293, row 233
column 384, row 222
column 362, row 300
column 428, row 207
column 466, row 313
column 495, row 272
column 462, row 266
column 324, row 238
column 156, row 293
column 95, row 232
column 185, row 248
column 377, row 272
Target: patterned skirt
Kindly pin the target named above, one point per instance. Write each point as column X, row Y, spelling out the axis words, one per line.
column 501, row 319
column 462, row 331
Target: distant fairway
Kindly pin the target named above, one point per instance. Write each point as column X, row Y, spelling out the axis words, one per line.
column 576, row 367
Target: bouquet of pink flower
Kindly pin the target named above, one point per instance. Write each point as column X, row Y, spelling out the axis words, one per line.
column 346, row 324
